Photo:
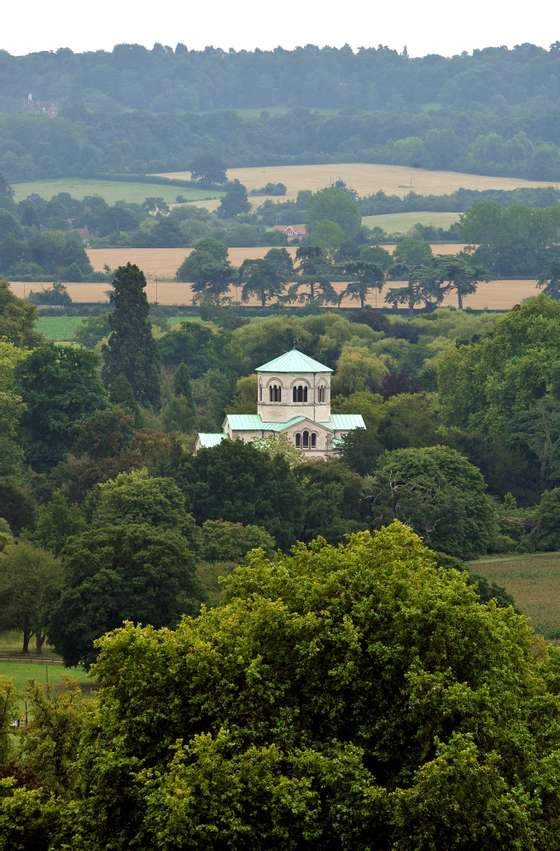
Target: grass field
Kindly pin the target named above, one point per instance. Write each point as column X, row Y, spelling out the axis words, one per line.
column 22, row 672
column 367, row 178
column 533, row 580
column 110, row 190
column 403, row 222
column 58, row 327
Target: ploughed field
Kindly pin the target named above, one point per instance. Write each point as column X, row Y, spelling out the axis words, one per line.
column 533, row 580
column 491, row 295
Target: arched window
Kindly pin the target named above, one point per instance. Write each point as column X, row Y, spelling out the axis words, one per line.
column 298, row 440
column 275, row 393
column 299, row 393
column 313, row 441
column 322, row 394
column 260, row 392
column 305, row 440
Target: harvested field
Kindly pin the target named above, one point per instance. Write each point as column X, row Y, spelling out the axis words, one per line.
column 491, row 295
column 367, row 178
column 164, row 262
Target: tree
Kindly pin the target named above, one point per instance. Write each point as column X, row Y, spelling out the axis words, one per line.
column 341, row 693
column 335, row 205
column 222, row 540
column 546, row 532
column 209, row 271
column 208, row 168
column 57, row 520
column 59, row 386
column 266, row 278
column 549, row 280
column 236, row 482
column 314, row 273
column 423, row 286
column 366, row 276
column 115, row 573
column 31, row 581
column 460, row 274
column 440, row 494
column 131, row 351
column 234, row 202
column 17, row 318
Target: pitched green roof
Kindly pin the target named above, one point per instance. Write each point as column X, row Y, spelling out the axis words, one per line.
column 293, row 361
column 253, row 422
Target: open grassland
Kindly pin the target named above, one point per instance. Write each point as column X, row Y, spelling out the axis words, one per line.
column 367, row 178
column 111, row 190
column 403, row 222
column 491, row 295
column 59, row 327
column 46, row 673
column 533, row 580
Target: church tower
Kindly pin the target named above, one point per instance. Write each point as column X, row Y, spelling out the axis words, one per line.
column 293, row 385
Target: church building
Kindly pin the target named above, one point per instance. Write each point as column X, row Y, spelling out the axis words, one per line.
column 293, row 399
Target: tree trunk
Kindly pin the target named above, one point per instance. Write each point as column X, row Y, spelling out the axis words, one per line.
column 39, row 641
column 312, row 291
column 263, row 300
column 459, row 299
column 26, row 640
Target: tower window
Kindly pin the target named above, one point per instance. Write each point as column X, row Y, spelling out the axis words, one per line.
column 299, row 393
column 275, row 393
column 322, row 394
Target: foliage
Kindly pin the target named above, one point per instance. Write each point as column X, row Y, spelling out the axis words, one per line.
column 341, row 693
column 222, row 540
column 234, row 202
column 130, row 351
column 16, row 318
column 57, row 520
column 30, row 583
column 440, row 494
column 115, row 573
column 59, row 386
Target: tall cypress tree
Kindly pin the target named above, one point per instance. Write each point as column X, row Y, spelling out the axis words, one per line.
column 131, row 352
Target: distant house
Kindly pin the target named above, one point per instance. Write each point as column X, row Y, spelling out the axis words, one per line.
column 39, row 107
column 292, row 232
column 294, row 400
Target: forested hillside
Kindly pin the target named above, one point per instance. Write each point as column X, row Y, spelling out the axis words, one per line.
column 495, row 111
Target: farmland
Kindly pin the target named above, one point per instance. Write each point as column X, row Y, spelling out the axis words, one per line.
column 367, row 178
column 534, row 582
column 111, row 190
column 59, row 327
column 403, row 222
column 490, row 295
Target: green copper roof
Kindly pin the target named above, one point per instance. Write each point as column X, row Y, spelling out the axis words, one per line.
column 253, row 422
column 293, row 361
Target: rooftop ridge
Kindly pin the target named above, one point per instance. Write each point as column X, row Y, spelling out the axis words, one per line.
column 293, row 361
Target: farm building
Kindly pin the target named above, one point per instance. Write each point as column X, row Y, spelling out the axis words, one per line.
column 293, row 399
column 292, row 232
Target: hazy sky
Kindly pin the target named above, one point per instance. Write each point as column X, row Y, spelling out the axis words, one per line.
column 424, row 26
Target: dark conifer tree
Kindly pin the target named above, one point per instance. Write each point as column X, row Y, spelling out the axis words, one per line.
column 131, row 351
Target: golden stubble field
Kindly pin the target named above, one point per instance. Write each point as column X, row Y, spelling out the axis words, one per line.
column 366, row 178
column 491, row 295
column 164, row 262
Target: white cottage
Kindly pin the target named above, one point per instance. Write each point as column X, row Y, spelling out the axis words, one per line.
column 293, row 399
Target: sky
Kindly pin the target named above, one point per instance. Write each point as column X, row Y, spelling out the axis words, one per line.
column 424, row 26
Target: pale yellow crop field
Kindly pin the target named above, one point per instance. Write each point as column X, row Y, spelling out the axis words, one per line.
column 164, row 262
column 367, row 178
column 491, row 295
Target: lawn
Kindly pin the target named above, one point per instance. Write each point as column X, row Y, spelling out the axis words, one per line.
column 23, row 672
column 110, row 190
column 403, row 222
column 59, row 328
column 367, row 178
column 533, row 580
